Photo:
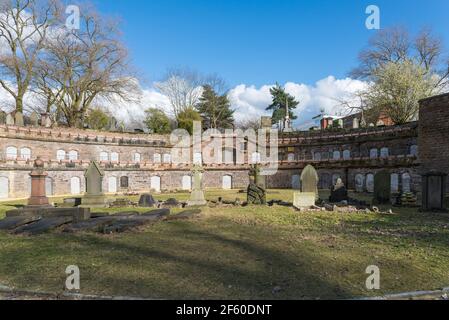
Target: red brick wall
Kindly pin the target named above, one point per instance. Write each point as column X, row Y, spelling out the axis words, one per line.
column 434, row 134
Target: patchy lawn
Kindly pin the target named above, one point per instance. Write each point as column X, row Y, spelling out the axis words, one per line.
column 240, row 253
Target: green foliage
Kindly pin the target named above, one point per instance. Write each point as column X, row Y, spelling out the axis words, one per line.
column 97, row 119
column 186, row 119
column 280, row 98
column 157, row 121
column 215, row 110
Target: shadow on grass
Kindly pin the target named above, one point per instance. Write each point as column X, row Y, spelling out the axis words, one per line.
column 184, row 262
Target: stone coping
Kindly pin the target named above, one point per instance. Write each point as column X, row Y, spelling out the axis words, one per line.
column 69, row 135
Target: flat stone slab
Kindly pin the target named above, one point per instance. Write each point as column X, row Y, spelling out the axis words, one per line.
column 16, row 222
column 124, row 224
column 43, row 226
column 92, row 225
column 185, row 215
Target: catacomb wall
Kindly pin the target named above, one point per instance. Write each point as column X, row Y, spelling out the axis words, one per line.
column 346, row 154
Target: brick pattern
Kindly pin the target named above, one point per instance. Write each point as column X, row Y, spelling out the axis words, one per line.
column 434, row 134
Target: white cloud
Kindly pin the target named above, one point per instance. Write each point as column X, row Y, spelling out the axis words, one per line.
column 249, row 101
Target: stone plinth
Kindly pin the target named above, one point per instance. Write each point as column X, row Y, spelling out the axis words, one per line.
column 304, row 200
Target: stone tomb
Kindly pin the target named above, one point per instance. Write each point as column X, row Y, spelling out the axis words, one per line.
column 304, row 200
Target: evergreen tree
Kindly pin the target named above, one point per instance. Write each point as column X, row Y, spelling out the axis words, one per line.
column 186, row 119
column 280, row 98
column 157, row 121
column 215, row 110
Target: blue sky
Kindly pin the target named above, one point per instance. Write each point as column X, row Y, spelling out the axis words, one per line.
column 260, row 42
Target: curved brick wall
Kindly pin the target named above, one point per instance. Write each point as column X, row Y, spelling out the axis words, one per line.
column 343, row 153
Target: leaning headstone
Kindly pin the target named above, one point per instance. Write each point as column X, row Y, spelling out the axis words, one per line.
column 9, row 120
column 94, row 196
column 197, row 197
column 339, row 193
column 304, row 200
column 309, row 180
column 34, row 119
column 19, row 119
column 2, row 117
column 382, row 187
column 147, row 201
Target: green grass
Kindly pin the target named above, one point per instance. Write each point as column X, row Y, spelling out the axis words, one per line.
column 241, row 253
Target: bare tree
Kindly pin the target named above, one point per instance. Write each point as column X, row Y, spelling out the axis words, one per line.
column 83, row 66
column 394, row 45
column 250, row 123
column 182, row 86
column 24, row 27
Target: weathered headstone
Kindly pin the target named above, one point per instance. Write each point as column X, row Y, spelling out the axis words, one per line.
column 48, row 123
column 9, row 120
column 94, row 196
column 382, row 187
column 309, row 180
column 359, row 183
column 304, row 200
column 34, row 119
column 18, row 118
column 147, row 201
column 197, row 197
column 356, row 123
column 339, row 192
column 256, row 193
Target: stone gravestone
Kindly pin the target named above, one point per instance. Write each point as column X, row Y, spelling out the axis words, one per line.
column 2, row 117
column 47, row 123
column 34, row 119
column 94, row 196
column 147, row 201
column 197, row 197
column 38, row 191
column 434, row 191
column 309, row 180
column 339, row 192
column 304, row 200
column 256, row 193
column 19, row 119
column 382, row 187
column 9, row 120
